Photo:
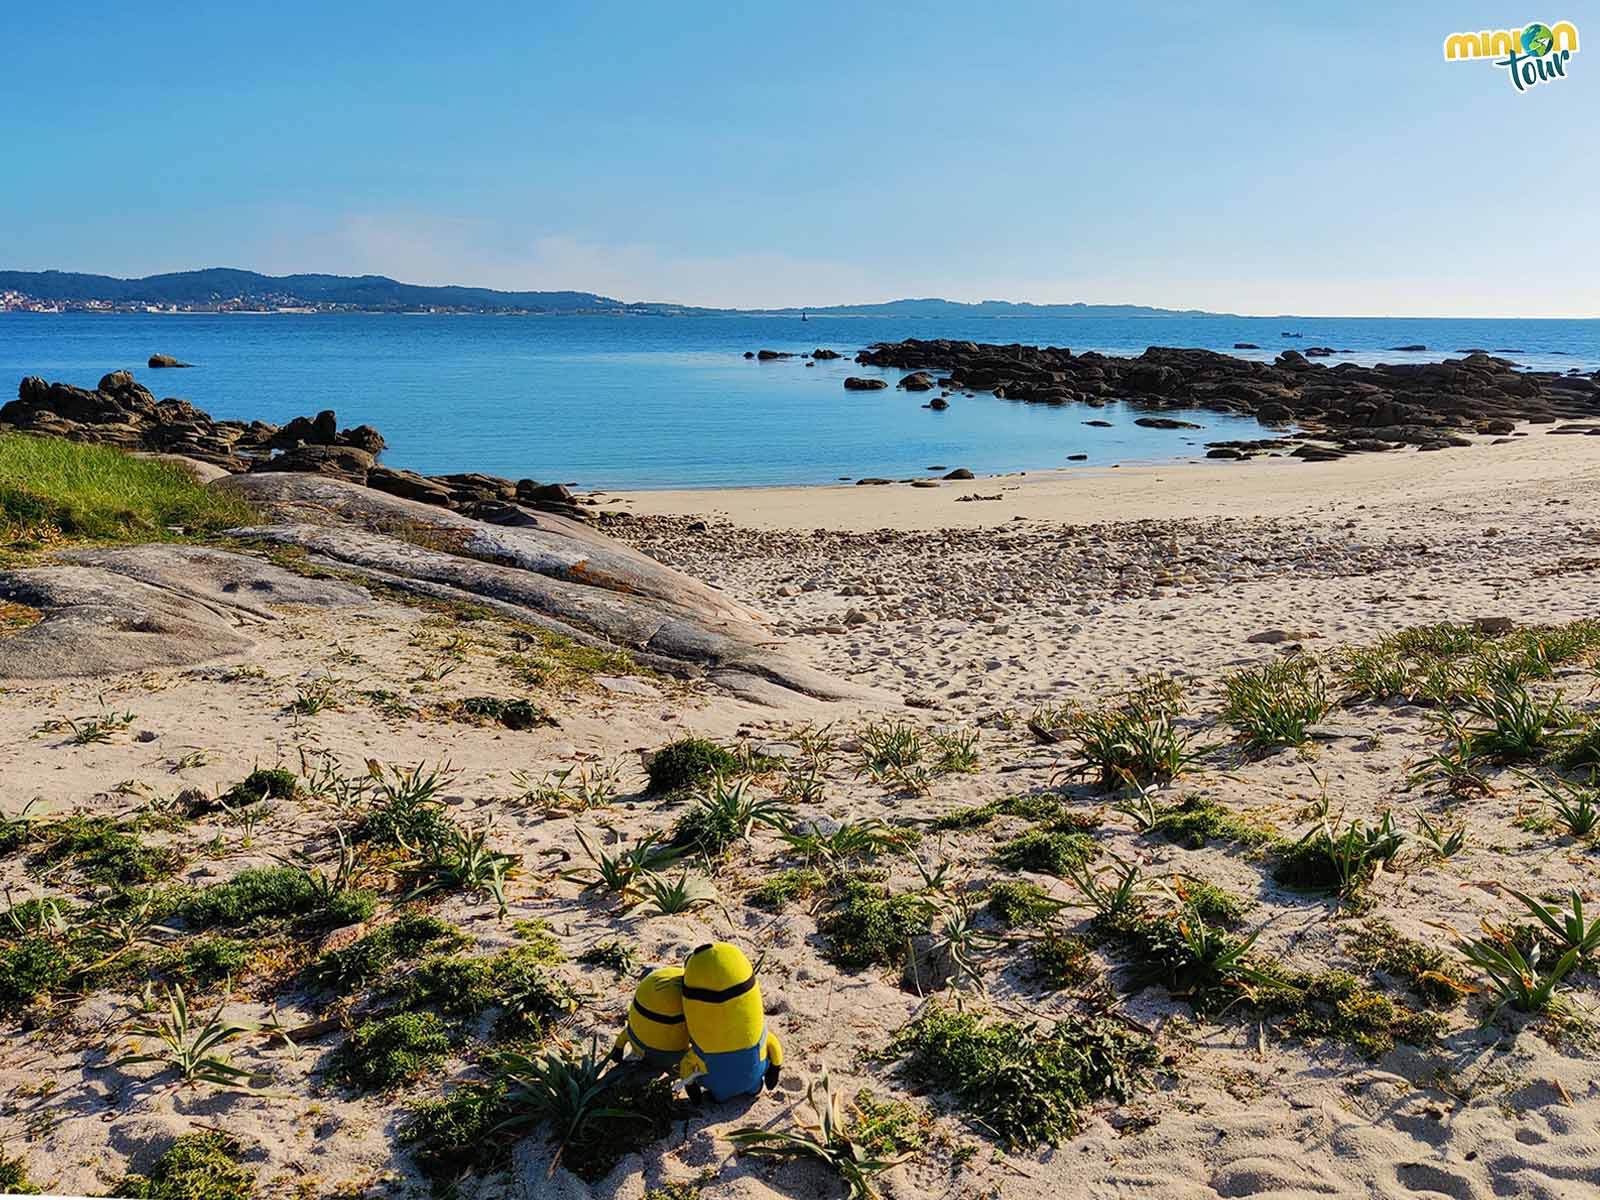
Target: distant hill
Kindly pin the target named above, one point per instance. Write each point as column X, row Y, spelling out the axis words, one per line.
column 226, row 287
column 218, row 285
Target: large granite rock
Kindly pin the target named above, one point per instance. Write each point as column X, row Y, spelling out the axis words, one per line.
column 135, row 608
column 546, row 569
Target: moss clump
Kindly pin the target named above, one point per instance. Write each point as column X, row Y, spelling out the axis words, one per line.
column 455, row 1135
column 15, row 833
column 538, row 943
column 367, row 961
column 1425, row 970
column 1196, row 820
column 264, row 894
column 1061, row 960
column 102, row 851
column 1213, row 904
column 14, row 1179
column 689, row 763
column 390, row 1051
column 1017, row 902
column 1211, row 970
column 513, row 714
column 778, row 890
column 198, row 1166
column 1046, row 853
column 30, row 968
column 885, row 1128
column 264, row 783
column 1180, row 953
column 208, row 960
column 1335, row 1006
column 517, row 982
column 1027, row 1085
column 1039, row 807
column 870, row 926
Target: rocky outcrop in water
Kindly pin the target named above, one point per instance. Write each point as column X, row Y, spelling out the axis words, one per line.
column 1343, row 409
column 122, row 412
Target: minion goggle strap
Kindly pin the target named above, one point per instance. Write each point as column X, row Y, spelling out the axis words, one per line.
column 718, row 995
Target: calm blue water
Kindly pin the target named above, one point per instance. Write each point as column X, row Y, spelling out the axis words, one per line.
column 649, row 402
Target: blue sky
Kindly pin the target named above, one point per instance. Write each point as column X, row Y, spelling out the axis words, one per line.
column 1250, row 158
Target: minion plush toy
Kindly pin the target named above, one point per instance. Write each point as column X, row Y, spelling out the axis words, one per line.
column 730, row 1051
column 655, row 1027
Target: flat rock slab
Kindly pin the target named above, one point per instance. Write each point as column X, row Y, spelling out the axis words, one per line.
column 549, row 570
column 543, row 543
column 135, row 608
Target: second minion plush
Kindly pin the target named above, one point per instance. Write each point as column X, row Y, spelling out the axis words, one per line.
column 655, row 1029
column 731, row 1053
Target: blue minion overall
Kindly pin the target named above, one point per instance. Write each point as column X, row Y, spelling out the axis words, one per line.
column 731, row 1052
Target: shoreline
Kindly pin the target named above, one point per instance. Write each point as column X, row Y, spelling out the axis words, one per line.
column 1135, row 491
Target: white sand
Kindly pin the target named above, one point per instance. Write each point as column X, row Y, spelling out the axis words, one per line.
column 998, row 620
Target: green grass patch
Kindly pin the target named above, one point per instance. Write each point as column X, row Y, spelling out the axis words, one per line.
column 870, row 926
column 689, row 763
column 264, row 783
column 785, row 887
column 1046, row 853
column 1043, row 806
column 1277, row 703
column 538, row 943
column 53, row 490
column 390, row 1051
column 101, row 850
column 1020, row 903
column 1196, row 820
column 453, row 1136
column 198, row 1166
column 1426, row 970
column 1214, row 904
column 493, row 710
column 888, row 1128
column 30, row 968
column 1216, row 973
column 517, row 982
column 367, row 961
column 1024, row 1085
column 14, row 1177
column 1061, row 960
column 261, row 895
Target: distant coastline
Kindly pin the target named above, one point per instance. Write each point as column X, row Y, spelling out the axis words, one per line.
column 224, row 289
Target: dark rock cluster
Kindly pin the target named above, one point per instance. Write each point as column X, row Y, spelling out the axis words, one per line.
column 122, row 412
column 1338, row 410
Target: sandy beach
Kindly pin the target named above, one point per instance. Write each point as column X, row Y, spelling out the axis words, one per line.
column 1135, row 492
column 961, row 619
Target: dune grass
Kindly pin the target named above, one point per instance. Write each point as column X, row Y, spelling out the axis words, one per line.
column 54, row 491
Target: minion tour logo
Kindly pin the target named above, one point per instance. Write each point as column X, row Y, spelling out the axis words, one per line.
column 1532, row 55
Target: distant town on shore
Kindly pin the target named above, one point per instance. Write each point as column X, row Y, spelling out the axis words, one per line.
column 223, row 290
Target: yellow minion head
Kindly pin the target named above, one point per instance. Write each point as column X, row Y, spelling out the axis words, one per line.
column 721, row 1001
column 655, row 1018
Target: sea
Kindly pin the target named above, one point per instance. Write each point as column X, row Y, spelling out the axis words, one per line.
column 649, row 402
